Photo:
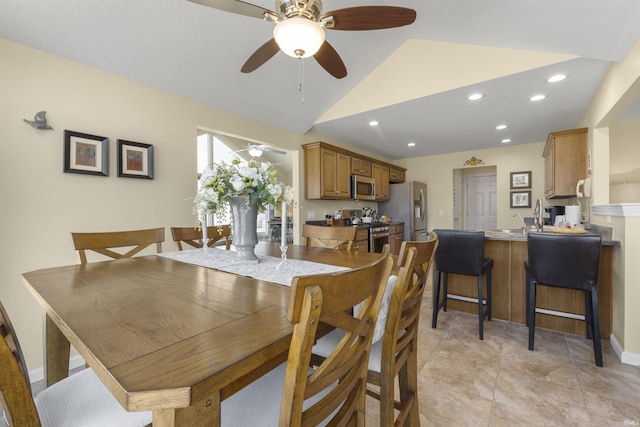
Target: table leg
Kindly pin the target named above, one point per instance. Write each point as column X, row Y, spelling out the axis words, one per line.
column 56, row 353
column 205, row 412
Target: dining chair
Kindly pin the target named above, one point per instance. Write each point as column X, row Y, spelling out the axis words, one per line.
column 193, row 236
column 329, row 237
column 394, row 355
column 565, row 261
column 79, row 400
column 103, row 242
column 462, row 252
column 333, row 392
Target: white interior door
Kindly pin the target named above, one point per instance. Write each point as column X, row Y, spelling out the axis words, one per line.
column 480, row 202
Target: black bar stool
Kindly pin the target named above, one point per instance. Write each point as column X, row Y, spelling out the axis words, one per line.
column 565, row 261
column 462, row 252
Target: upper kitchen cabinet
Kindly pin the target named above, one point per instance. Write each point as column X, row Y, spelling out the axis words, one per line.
column 360, row 166
column 565, row 158
column 327, row 173
column 381, row 174
column 328, row 170
column 396, row 175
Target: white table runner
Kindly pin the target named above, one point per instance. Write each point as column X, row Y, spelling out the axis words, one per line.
column 221, row 259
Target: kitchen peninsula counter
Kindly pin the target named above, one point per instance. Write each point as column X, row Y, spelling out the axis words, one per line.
column 509, row 251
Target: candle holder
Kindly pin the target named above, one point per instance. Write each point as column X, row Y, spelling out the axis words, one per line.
column 284, row 265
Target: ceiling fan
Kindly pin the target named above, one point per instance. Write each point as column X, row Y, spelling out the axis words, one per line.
column 300, row 25
column 256, row 150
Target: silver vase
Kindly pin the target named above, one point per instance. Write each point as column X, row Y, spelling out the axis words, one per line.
column 245, row 229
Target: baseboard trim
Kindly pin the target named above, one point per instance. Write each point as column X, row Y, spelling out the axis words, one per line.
column 625, row 357
column 37, row 374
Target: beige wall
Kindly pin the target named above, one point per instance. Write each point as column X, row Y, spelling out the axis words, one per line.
column 41, row 205
column 608, row 140
column 624, row 171
column 437, row 173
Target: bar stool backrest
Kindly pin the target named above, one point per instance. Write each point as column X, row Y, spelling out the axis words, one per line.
column 460, row 252
column 567, row 261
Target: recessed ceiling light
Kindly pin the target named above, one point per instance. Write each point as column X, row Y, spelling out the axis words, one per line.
column 506, row 141
column 537, row 97
column 500, row 127
column 557, row 78
column 474, row 97
column 411, row 144
column 374, row 123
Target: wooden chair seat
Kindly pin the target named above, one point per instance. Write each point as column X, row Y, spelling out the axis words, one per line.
column 79, row 400
column 329, row 237
column 334, row 391
column 193, row 236
column 104, row 242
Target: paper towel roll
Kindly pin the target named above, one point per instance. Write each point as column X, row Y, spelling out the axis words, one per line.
column 572, row 213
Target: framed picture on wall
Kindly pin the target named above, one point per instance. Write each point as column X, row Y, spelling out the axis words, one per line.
column 135, row 159
column 86, row 154
column 520, row 180
column 520, row 199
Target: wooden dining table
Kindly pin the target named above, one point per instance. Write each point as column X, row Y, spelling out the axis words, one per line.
column 168, row 336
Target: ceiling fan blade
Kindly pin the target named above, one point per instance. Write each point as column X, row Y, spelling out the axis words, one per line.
column 329, row 59
column 273, row 150
column 260, row 56
column 370, row 18
column 235, row 6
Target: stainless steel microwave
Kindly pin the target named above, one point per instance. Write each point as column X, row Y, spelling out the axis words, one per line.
column 363, row 188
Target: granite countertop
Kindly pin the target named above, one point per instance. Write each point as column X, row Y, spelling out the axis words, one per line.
column 521, row 235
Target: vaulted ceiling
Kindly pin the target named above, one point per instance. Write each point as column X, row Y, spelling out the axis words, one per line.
column 414, row 80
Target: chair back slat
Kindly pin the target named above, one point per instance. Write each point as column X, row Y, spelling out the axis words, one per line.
column 15, row 388
column 328, row 298
column 399, row 343
column 104, row 242
column 329, row 237
column 193, row 236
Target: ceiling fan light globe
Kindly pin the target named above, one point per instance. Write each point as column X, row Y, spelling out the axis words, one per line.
column 255, row 152
column 298, row 37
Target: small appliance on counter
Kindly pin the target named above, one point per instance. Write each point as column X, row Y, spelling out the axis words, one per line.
column 572, row 215
column 551, row 212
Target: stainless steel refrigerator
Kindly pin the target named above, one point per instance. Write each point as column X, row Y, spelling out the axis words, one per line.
column 408, row 203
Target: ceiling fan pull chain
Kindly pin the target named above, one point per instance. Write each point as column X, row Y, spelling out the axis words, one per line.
column 301, row 79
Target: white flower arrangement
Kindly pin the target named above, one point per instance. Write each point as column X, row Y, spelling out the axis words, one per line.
column 255, row 180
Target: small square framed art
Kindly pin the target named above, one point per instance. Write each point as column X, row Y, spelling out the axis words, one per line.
column 135, row 159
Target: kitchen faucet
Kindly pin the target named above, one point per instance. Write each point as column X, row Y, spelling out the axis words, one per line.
column 524, row 224
column 537, row 215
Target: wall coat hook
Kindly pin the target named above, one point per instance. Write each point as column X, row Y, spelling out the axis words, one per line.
column 39, row 121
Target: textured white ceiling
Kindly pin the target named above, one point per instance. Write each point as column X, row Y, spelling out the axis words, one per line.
column 197, row 52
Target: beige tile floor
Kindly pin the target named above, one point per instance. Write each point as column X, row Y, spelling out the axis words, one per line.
column 498, row 382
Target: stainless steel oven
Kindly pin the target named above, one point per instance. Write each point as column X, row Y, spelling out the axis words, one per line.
column 378, row 237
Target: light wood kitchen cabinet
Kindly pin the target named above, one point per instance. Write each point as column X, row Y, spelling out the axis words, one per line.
column 360, row 167
column 396, row 236
column 396, row 175
column 381, row 174
column 327, row 173
column 565, row 160
column 361, row 243
column 328, row 170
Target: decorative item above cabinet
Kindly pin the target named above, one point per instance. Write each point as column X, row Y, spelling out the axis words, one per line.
column 328, row 171
column 565, row 160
